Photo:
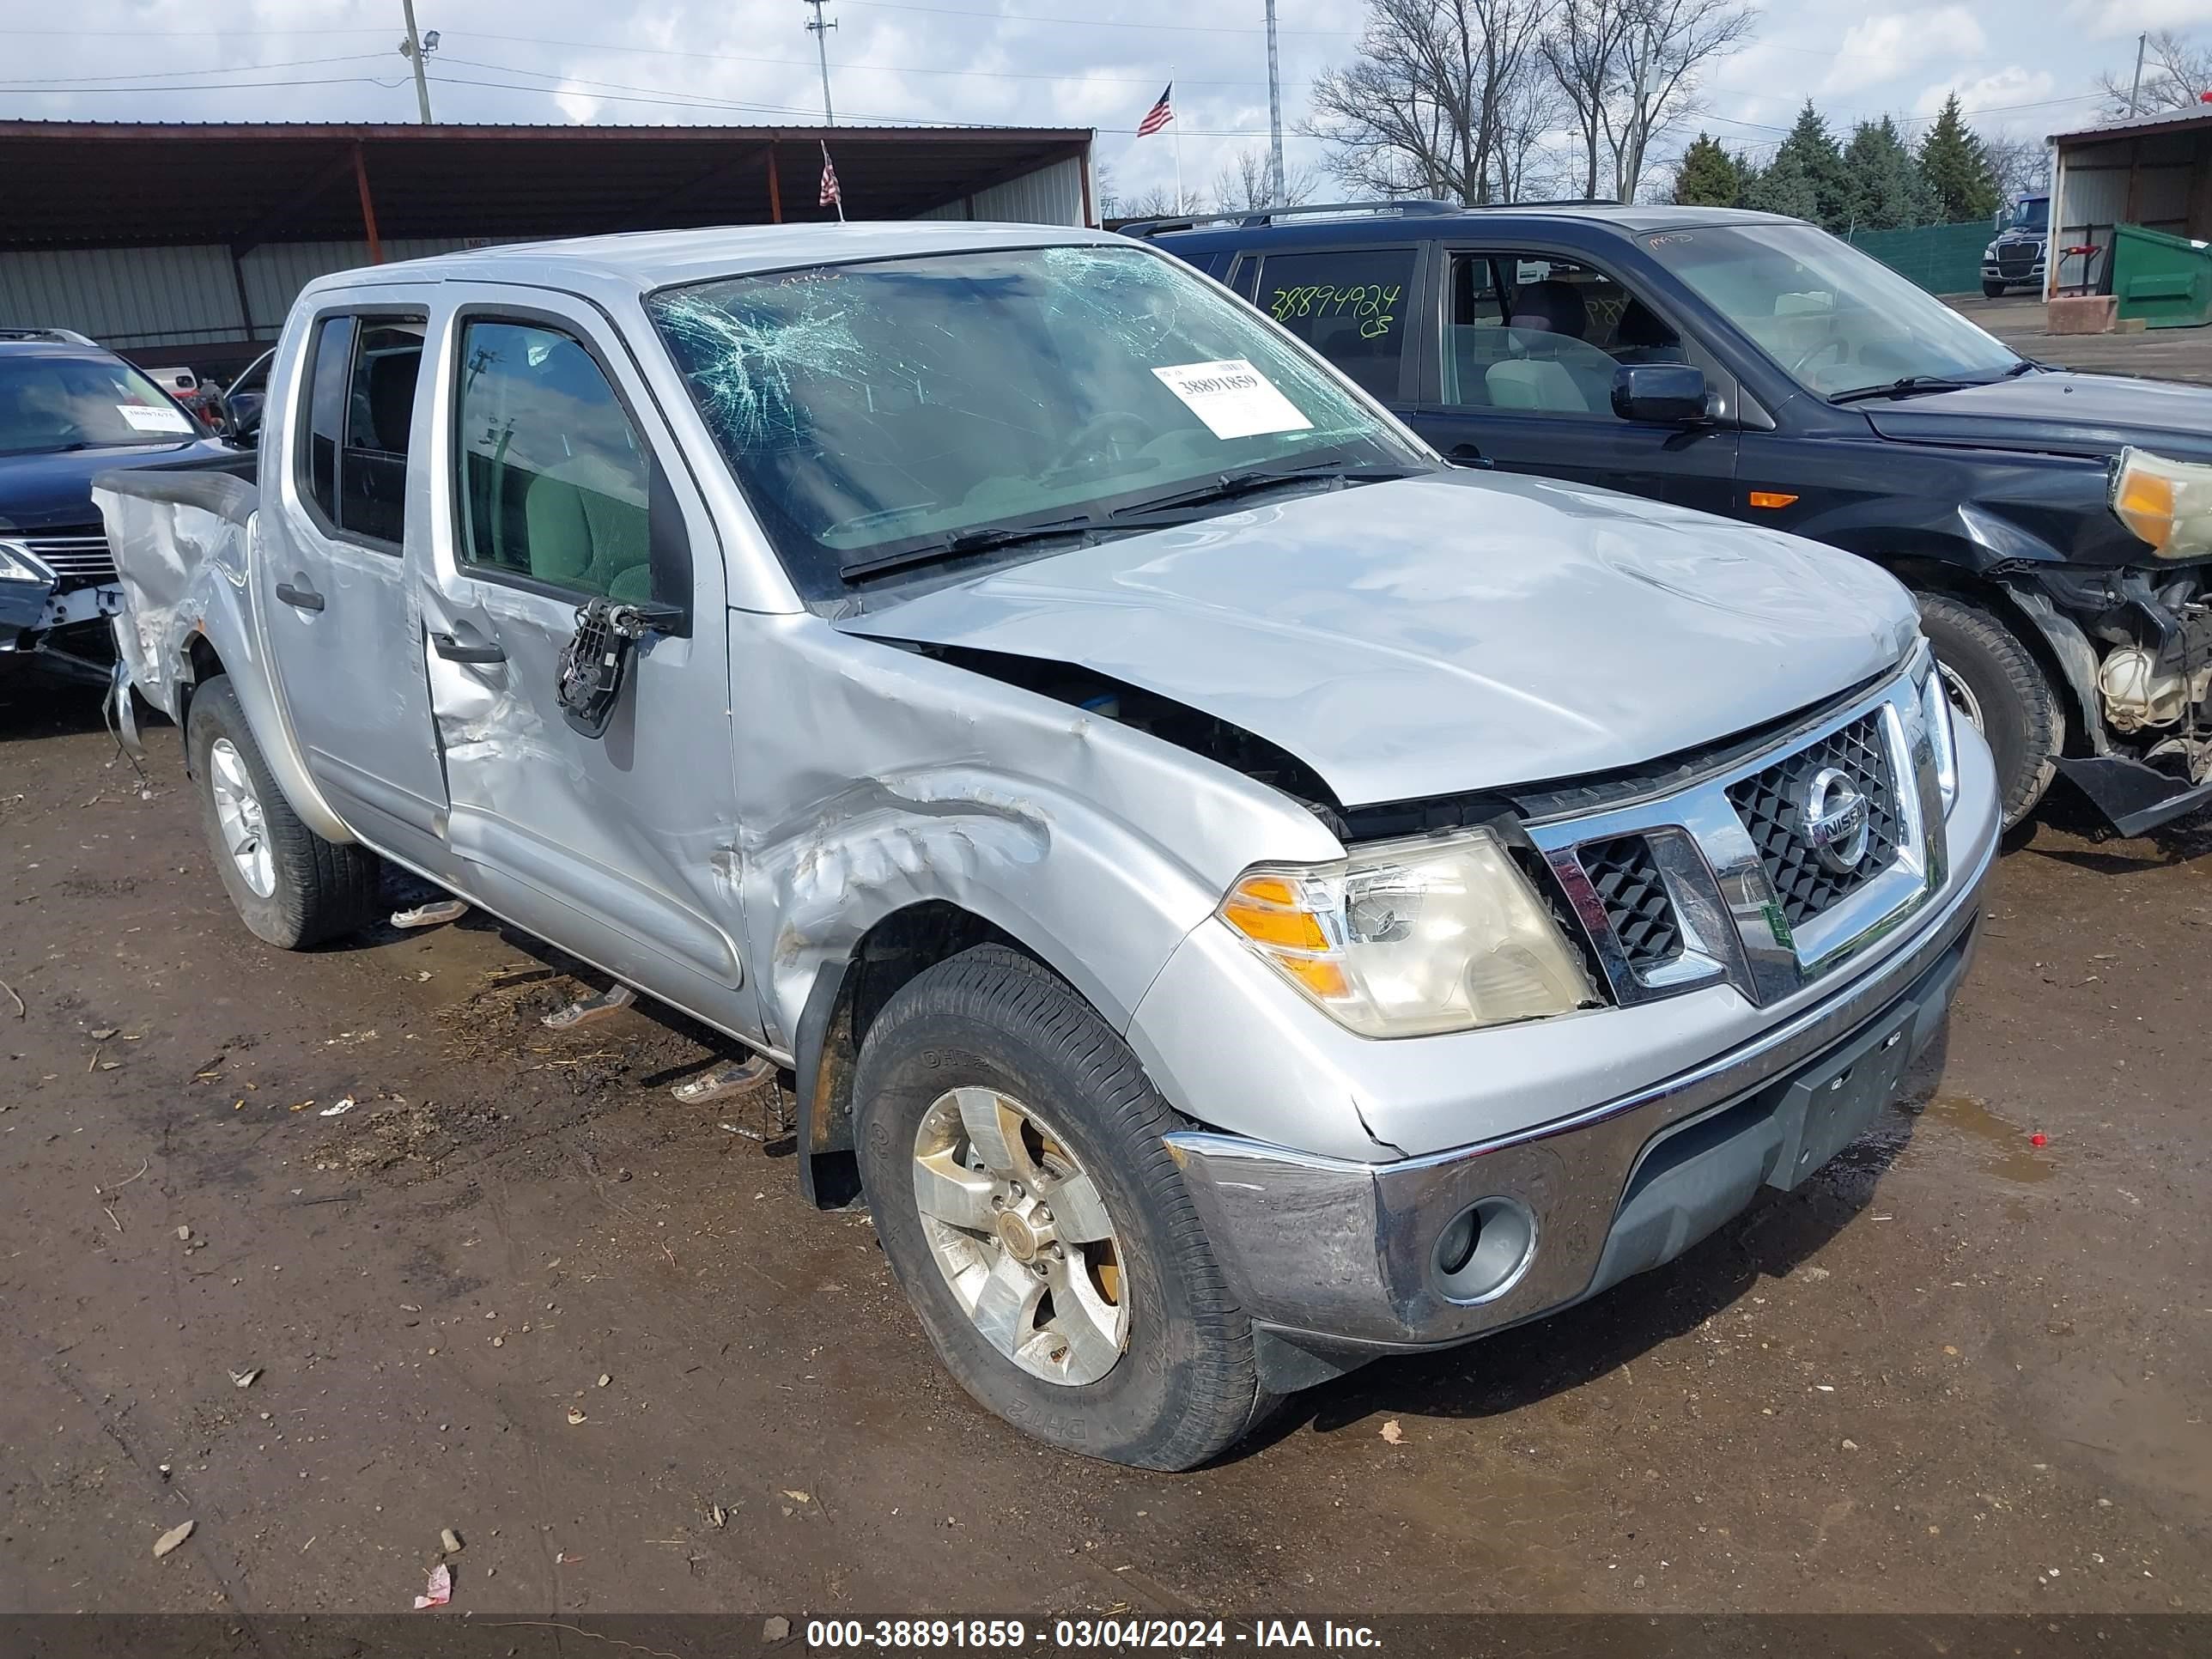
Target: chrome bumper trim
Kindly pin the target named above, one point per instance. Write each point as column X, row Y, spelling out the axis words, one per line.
column 1340, row 1249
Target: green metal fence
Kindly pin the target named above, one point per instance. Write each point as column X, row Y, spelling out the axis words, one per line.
column 1941, row 258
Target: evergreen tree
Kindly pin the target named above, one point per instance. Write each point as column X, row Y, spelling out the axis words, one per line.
column 1957, row 168
column 1783, row 186
column 1810, row 162
column 1886, row 190
column 1708, row 178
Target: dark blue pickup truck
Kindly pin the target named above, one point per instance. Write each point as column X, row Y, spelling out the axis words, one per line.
column 1755, row 366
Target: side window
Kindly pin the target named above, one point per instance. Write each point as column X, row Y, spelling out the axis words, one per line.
column 556, row 484
column 1543, row 336
column 326, row 406
column 1351, row 306
column 360, row 403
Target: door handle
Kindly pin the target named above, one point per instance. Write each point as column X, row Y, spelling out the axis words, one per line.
column 1468, row 455
column 304, row 598
column 454, row 650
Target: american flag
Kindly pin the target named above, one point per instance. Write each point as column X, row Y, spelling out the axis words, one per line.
column 1159, row 115
column 830, row 191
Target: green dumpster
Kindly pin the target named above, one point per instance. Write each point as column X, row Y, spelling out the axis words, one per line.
column 2165, row 280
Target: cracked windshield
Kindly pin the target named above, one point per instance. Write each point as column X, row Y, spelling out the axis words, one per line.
column 888, row 415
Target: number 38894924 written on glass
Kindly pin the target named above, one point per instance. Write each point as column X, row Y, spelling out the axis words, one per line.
column 1373, row 303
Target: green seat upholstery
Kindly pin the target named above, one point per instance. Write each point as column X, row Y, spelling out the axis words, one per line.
column 583, row 537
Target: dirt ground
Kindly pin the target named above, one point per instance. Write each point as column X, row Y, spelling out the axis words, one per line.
column 517, row 1290
column 2165, row 354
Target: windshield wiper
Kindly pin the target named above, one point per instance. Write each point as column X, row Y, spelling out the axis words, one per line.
column 1230, row 485
column 1912, row 386
column 964, row 542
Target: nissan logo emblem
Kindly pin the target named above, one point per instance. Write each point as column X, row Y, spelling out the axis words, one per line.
column 1832, row 820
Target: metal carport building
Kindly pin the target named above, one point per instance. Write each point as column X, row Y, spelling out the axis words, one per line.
column 185, row 243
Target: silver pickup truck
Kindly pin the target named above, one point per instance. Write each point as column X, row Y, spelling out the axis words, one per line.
column 1236, row 896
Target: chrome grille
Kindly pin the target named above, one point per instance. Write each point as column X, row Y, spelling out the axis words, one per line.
column 76, row 556
column 1770, row 804
column 1626, row 880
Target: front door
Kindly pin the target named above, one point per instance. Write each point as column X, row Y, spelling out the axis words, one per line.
column 338, row 608
column 561, row 486
column 1530, row 345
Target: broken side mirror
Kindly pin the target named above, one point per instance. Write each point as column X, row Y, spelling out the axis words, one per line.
column 595, row 661
column 1661, row 394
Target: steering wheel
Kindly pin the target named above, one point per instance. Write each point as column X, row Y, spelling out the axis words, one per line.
column 1832, row 343
column 1089, row 437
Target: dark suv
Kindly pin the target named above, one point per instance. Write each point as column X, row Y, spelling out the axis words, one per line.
column 1751, row 365
column 69, row 408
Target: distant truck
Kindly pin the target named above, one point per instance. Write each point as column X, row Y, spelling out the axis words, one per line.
column 2016, row 258
column 1238, row 897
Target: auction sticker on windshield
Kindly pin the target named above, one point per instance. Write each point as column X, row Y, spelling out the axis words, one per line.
column 1234, row 399
column 144, row 417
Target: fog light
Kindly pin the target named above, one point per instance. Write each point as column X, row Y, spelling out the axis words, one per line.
column 1484, row 1250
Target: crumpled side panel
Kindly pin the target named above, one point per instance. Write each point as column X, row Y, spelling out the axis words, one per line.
column 170, row 557
column 872, row 778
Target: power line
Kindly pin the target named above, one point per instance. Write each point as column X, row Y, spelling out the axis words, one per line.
column 228, row 69
column 800, row 63
column 1093, row 23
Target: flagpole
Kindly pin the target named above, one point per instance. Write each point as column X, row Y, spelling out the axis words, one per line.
column 1178, row 146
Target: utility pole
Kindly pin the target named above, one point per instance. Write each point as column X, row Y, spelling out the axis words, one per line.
column 820, row 31
column 1274, row 117
column 412, row 49
column 2134, row 91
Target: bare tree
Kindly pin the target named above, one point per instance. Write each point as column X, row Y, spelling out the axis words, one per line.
column 2176, row 75
column 1666, row 47
column 1582, row 51
column 1157, row 202
column 1244, row 186
column 1424, row 106
column 2022, row 165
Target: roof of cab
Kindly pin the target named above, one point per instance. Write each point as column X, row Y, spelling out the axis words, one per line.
column 641, row 261
column 1352, row 225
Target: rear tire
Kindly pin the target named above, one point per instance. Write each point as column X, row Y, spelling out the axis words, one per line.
column 289, row 886
column 1995, row 682
column 991, row 1029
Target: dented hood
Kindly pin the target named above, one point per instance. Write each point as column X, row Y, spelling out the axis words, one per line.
column 1450, row 632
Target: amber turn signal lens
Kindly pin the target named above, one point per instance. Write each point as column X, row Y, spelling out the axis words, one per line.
column 2145, row 505
column 1771, row 498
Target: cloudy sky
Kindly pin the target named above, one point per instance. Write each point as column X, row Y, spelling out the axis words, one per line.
column 2025, row 64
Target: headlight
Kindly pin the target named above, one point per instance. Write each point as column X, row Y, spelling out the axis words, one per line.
column 1990, row 251
column 19, row 564
column 2167, row 503
column 1413, row 937
column 1935, row 717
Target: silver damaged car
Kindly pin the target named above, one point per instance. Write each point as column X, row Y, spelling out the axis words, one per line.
column 1237, row 897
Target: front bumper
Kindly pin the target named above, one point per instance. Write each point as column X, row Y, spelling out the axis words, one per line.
column 1335, row 1259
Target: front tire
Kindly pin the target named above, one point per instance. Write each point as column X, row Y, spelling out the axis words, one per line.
column 1992, row 290
column 289, row 886
column 1995, row 682
column 1011, row 1150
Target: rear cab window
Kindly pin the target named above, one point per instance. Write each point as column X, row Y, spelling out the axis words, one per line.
column 1352, row 305
column 363, row 372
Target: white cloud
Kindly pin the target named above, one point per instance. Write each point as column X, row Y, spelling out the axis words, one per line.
column 1883, row 48
column 1995, row 91
column 2105, row 18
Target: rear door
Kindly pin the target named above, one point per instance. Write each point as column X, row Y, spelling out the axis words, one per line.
column 1353, row 304
column 557, row 484
column 1523, row 379
column 339, row 611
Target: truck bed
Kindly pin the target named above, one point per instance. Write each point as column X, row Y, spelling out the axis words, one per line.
column 176, row 534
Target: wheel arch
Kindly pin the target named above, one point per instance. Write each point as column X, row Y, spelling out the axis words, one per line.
column 1924, row 573
column 848, row 994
